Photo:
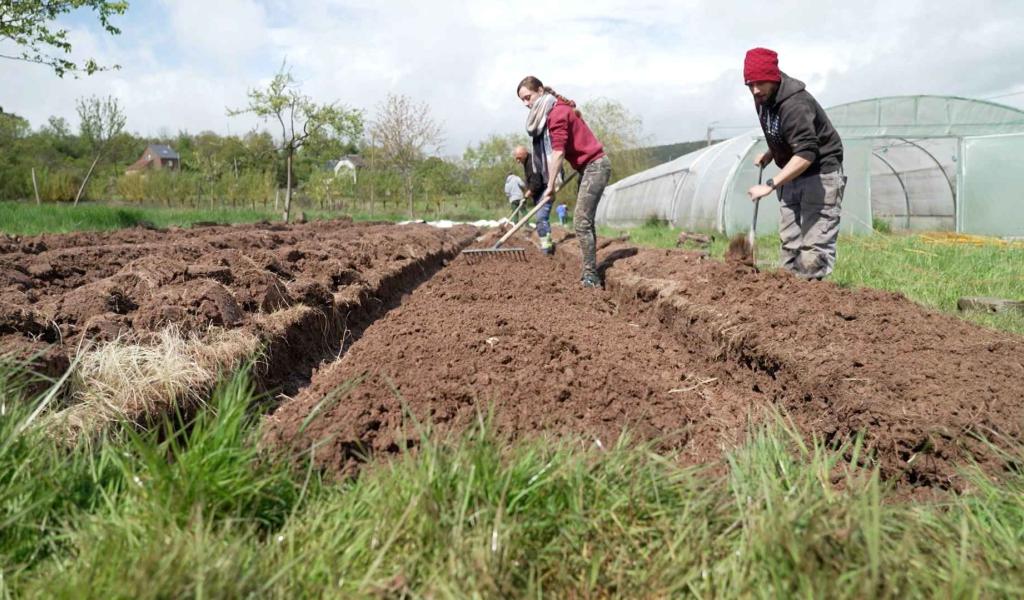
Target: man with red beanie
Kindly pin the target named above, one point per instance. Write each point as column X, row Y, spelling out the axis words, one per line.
column 803, row 143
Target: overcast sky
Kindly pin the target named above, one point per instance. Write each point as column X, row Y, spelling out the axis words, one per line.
column 675, row 64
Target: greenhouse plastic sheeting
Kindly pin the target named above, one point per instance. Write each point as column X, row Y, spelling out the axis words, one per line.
column 685, row 192
column 913, row 182
column 856, row 207
column 991, row 180
column 901, row 157
column 924, row 117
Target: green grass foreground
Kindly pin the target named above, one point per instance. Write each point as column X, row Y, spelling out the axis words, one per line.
column 933, row 274
column 198, row 511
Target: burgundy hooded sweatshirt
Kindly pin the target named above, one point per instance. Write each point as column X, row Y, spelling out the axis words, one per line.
column 570, row 134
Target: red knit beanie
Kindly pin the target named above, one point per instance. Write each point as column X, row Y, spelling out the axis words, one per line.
column 761, row 64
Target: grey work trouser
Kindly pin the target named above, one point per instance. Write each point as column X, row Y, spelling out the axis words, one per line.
column 809, row 223
column 592, row 183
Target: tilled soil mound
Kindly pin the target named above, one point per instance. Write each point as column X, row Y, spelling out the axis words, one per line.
column 301, row 288
column 518, row 342
column 679, row 349
column 924, row 387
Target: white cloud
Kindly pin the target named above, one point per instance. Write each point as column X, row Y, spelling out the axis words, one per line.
column 222, row 32
column 676, row 64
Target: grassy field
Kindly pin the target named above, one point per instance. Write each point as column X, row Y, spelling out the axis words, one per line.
column 21, row 218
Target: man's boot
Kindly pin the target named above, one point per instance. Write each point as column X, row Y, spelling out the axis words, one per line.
column 590, row 280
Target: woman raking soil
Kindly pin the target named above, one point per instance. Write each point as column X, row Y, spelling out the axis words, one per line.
column 559, row 132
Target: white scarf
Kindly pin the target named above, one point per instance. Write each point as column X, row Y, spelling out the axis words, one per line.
column 537, row 128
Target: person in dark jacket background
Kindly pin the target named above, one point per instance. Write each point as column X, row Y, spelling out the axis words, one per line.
column 804, row 144
column 535, row 183
column 535, row 186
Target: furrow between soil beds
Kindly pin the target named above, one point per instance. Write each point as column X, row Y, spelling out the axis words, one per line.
column 306, row 336
column 928, row 391
column 679, row 349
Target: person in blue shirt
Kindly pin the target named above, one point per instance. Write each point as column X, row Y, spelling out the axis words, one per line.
column 561, row 210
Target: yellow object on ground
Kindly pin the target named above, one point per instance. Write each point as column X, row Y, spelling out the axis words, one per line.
column 949, row 237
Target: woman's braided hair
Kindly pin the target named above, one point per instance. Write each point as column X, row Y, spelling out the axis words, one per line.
column 533, row 84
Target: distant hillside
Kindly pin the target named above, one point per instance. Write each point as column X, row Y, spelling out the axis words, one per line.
column 634, row 161
column 662, row 154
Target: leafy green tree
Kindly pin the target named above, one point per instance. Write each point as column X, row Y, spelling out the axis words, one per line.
column 230, row 169
column 13, row 133
column 438, row 179
column 210, row 159
column 323, row 187
column 258, row 152
column 495, row 151
column 321, row 150
column 58, row 127
column 300, row 119
column 489, row 162
column 56, row 143
column 52, row 145
column 31, row 24
column 12, row 127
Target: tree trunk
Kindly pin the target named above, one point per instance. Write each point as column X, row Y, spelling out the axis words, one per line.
column 81, row 189
column 288, row 190
column 35, row 186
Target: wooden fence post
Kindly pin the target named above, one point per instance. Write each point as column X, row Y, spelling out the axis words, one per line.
column 35, row 186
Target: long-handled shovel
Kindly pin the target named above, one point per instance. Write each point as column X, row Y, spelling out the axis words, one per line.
column 742, row 248
column 516, row 253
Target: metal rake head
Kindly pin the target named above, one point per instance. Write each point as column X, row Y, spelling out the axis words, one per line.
column 474, row 255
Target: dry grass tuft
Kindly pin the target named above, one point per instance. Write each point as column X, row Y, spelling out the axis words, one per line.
column 134, row 379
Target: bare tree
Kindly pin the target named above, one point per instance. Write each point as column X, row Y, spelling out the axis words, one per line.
column 300, row 119
column 102, row 121
column 621, row 133
column 405, row 132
